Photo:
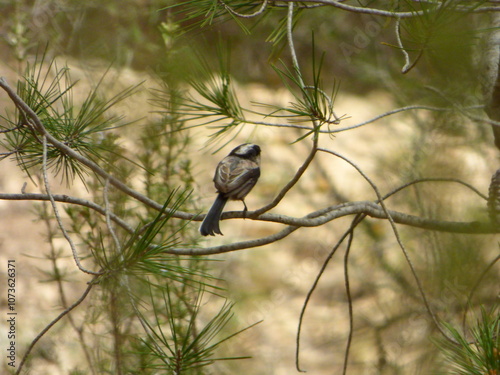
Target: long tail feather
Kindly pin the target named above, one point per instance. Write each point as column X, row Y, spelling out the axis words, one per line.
column 210, row 225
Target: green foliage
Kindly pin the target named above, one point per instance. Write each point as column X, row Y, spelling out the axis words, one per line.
column 479, row 354
column 311, row 101
column 148, row 313
column 199, row 14
column 214, row 99
column 144, row 258
column 181, row 347
column 80, row 127
column 131, row 263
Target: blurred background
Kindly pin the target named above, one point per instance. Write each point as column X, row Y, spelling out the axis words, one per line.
column 140, row 41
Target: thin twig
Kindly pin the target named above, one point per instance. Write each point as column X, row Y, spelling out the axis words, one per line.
column 8, row 130
column 437, row 179
column 108, row 217
column 356, row 221
column 241, row 15
column 289, row 34
column 462, row 110
column 56, row 212
column 398, row 239
column 52, row 323
column 369, row 121
column 388, row 113
column 51, row 233
column 476, row 285
column 290, row 184
column 8, row 153
column 314, row 285
column 392, row 14
column 70, row 200
column 407, row 64
column 364, row 10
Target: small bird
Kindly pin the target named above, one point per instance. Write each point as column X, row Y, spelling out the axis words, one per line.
column 234, row 177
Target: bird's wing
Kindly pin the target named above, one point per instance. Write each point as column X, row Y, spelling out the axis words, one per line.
column 235, row 174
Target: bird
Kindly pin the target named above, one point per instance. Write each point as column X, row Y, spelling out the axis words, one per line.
column 234, row 177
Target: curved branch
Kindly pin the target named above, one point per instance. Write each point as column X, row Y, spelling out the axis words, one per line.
column 364, row 10
column 373, row 210
column 391, row 112
column 347, row 284
column 474, row 288
column 315, row 218
column 350, row 127
column 437, row 179
column 321, row 217
column 349, row 233
column 407, row 66
column 241, row 15
column 289, row 36
column 233, row 246
column 399, row 241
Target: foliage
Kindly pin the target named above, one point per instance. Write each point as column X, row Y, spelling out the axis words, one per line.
column 78, row 128
column 479, row 354
column 154, row 301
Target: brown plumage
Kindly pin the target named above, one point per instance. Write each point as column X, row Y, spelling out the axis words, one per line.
column 235, row 176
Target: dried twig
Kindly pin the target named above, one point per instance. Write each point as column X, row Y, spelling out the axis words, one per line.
column 399, row 241
column 108, row 217
column 241, row 15
column 52, row 323
column 57, row 215
column 67, row 199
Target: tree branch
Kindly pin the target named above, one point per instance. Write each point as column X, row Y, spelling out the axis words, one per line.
column 38, row 125
column 392, row 14
column 67, row 199
column 323, row 216
column 52, row 323
column 289, row 185
column 57, row 216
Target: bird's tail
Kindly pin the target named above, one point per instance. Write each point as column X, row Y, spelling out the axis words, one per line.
column 210, row 225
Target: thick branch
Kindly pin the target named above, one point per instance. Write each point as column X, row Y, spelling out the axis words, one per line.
column 374, row 210
column 323, row 216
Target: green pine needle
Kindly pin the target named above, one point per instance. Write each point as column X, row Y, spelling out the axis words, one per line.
column 180, row 346
column 478, row 355
column 79, row 126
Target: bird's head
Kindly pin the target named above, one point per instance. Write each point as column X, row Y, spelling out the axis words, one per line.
column 247, row 151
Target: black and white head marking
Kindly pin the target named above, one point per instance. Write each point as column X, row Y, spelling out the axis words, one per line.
column 246, row 150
